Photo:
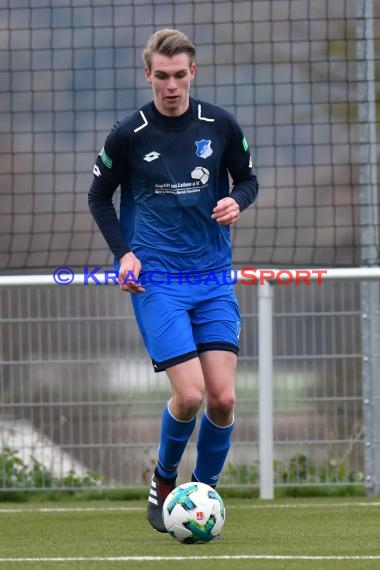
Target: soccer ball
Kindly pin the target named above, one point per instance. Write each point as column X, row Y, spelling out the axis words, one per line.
column 193, row 512
column 200, row 173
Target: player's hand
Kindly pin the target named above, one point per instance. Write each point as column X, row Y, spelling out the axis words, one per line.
column 226, row 211
column 129, row 272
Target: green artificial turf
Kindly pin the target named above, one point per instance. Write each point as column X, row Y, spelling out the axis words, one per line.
column 258, row 535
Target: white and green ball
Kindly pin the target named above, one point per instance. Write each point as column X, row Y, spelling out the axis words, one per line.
column 194, row 512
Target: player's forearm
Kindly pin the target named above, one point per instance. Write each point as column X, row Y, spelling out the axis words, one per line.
column 104, row 214
column 245, row 191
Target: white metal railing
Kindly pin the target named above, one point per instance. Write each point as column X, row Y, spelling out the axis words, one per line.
column 265, row 338
column 266, row 279
column 249, row 274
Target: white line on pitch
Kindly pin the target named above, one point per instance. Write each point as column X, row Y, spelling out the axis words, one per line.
column 179, row 558
column 72, row 509
column 137, row 509
column 307, row 505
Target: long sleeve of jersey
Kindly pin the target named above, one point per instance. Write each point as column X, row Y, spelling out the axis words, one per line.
column 239, row 164
column 100, row 201
column 245, row 191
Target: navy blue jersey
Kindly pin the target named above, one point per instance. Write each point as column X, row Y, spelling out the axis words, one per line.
column 172, row 171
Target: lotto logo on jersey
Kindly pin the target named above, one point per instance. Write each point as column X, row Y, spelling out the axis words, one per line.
column 204, row 149
column 152, row 156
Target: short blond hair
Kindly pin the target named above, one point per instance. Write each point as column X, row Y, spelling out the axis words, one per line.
column 168, row 42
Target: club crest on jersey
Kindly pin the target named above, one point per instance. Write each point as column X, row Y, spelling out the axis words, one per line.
column 204, row 149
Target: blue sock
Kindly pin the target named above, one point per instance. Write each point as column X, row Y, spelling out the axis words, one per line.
column 213, row 445
column 174, row 437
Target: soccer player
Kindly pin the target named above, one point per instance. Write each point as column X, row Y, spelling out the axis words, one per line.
column 172, row 159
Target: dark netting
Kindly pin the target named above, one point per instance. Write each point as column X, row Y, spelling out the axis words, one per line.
column 288, row 69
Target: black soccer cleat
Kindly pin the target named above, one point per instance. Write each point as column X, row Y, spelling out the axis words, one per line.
column 159, row 490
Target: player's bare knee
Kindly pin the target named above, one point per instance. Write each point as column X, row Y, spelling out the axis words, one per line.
column 222, row 406
column 188, row 403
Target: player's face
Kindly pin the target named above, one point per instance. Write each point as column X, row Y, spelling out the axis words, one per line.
column 170, row 78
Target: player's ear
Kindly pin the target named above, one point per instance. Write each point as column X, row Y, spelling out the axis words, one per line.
column 193, row 69
column 148, row 75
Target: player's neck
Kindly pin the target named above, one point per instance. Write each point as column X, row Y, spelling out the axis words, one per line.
column 172, row 113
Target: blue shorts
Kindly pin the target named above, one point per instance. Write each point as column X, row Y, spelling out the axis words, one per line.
column 178, row 321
